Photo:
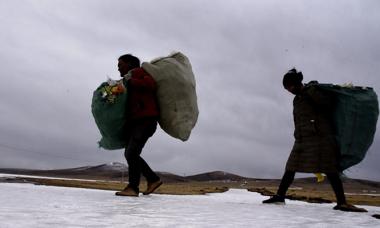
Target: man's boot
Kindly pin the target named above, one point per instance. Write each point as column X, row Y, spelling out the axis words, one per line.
column 349, row 207
column 128, row 191
column 151, row 187
column 276, row 199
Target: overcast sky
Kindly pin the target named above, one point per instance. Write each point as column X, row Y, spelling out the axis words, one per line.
column 54, row 53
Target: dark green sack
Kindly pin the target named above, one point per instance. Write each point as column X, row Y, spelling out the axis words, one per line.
column 355, row 118
column 109, row 107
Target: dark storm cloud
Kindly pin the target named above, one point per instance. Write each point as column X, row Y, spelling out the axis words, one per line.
column 55, row 53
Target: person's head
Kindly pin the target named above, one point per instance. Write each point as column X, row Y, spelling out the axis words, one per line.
column 292, row 81
column 126, row 63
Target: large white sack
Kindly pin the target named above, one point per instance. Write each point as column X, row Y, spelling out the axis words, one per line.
column 176, row 94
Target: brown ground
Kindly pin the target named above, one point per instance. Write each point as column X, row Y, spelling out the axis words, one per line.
column 356, row 193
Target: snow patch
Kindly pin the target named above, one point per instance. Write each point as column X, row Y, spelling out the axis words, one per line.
column 26, row 205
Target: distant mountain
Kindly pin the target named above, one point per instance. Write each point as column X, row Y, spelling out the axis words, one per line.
column 115, row 170
column 104, row 171
column 216, row 176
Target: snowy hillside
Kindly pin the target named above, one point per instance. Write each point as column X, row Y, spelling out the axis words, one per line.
column 25, row 205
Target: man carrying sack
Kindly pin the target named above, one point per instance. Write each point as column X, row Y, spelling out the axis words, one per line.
column 127, row 111
column 141, row 123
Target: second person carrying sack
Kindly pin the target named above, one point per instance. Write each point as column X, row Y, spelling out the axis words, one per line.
column 176, row 94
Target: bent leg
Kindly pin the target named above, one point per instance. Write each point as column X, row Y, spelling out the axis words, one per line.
column 147, row 172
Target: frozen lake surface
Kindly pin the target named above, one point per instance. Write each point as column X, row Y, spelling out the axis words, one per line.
column 27, row 205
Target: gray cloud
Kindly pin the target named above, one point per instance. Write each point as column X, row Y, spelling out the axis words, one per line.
column 55, row 53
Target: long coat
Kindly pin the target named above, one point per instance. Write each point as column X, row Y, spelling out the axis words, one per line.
column 315, row 149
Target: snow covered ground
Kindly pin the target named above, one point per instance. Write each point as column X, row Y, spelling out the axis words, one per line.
column 27, row 205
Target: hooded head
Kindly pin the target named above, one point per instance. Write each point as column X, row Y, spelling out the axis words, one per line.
column 292, row 81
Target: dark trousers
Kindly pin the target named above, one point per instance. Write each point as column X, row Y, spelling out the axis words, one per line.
column 138, row 134
column 334, row 179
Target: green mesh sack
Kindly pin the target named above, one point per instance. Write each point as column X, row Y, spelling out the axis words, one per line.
column 109, row 107
column 355, row 117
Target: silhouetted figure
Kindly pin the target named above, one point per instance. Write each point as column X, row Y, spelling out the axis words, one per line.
column 315, row 149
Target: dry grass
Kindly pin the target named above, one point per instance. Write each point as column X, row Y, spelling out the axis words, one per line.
column 188, row 188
